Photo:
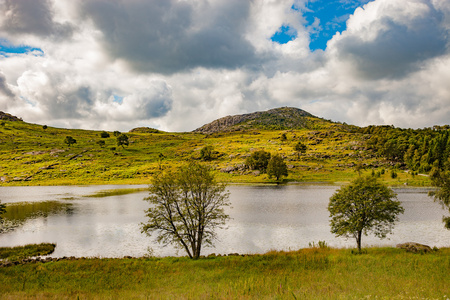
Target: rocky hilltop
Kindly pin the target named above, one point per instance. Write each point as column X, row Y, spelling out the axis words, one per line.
column 8, row 117
column 277, row 118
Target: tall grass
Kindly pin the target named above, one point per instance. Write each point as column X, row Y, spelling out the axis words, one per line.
column 115, row 192
column 20, row 252
column 314, row 273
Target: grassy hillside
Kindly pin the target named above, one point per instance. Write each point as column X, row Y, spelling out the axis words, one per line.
column 32, row 155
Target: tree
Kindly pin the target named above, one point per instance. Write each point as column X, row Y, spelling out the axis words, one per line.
column 363, row 206
column 441, row 179
column 116, row 133
column 2, row 211
column 186, row 207
column 104, row 135
column 277, row 167
column 300, row 148
column 258, row 160
column 70, row 140
column 122, row 140
column 206, row 153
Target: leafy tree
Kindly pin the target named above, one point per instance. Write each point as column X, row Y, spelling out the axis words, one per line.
column 359, row 167
column 70, row 141
column 160, row 159
column 2, row 211
column 186, row 207
column 300, row 148
column 393, row 174
column 122, row 140
column 104, row 135
column 277, row 167
column 206, row 153
column 258, row 160
column 441, row 179
column 44, row 127
column 363, row 206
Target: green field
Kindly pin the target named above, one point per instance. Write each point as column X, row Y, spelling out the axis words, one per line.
column 312, row 273
column 32, row 155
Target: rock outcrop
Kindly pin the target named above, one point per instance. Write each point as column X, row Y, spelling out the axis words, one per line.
column 415, row 247
column 277, row 118
column 8, row 117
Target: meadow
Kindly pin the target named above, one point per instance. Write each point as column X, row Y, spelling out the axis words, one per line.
column 311, row 273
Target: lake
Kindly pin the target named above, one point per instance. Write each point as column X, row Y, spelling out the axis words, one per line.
column 264, row 218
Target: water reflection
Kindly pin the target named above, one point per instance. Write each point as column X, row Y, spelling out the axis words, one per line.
column 263, row 218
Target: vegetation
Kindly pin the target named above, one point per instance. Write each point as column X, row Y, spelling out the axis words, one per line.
column 258, row 160
column 2, row 211
column 70, row 140
column 206, row 153
column 115, row 192
column 21, row 252
column 122, row 140
column 300, row 148
column 363, row 206
column 186, row 208
column 277, row 167
column 104, row 135
column 33, row 156
column 312, row 273
column 418, row 149
column 441, row 179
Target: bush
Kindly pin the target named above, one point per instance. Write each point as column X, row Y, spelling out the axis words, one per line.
column 104, row 135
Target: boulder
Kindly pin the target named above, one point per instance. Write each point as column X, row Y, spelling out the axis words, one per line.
column 414, row 247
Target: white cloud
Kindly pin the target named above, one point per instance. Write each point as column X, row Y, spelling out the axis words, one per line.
column 180, row 64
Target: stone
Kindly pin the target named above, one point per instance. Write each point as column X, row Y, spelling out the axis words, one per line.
column 414, row 247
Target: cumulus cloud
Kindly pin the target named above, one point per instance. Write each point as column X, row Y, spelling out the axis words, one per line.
column 31, row 17
column 176, row 65
column 389, row 39
column 168, row 36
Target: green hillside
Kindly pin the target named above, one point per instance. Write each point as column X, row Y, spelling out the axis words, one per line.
column 38, row 155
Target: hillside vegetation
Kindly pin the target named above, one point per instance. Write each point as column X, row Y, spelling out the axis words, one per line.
column 34, row 154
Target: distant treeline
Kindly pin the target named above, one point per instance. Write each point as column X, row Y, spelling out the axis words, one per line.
column 418, row 149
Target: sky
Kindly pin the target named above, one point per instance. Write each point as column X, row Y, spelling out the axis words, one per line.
column 176, row 65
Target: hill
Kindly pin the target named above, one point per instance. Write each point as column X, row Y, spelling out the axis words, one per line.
column 282, row 118
column 33, row 154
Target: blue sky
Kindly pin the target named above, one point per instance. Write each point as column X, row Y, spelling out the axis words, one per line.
column 7, row 48
column 330, row 16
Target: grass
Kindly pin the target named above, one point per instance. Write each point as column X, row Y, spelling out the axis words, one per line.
column 115, row 192
column 21, row 252
column 312, row 273
column 21, row 211
column 32, row 155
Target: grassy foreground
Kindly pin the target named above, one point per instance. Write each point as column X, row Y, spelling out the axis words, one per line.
column 313, row 273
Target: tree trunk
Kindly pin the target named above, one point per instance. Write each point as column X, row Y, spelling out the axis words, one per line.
column 358, row 240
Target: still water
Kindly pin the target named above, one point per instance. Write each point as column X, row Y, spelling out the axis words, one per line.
column 263, row 218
